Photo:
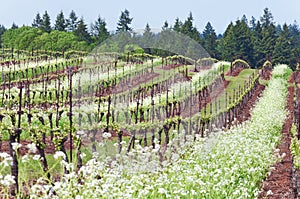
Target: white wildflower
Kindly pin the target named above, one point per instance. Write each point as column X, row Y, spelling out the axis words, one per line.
column 269, row 193
column 8, row 180
column 80, row 133
column 162, row 190
column 16, row 146
column 106, row 135
column 59, row 154
column 36, row 157
column 25, row 158
column 32, row 148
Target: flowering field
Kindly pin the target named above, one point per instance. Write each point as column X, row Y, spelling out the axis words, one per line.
column 144, row 128
column 227, row 164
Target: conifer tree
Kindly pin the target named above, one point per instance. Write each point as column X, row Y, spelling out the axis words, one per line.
column 60, row 22
column 124, row 22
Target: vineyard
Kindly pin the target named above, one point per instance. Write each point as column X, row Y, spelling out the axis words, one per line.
column 138, row 125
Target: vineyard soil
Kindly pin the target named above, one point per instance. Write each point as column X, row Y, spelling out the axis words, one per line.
column 279, row 184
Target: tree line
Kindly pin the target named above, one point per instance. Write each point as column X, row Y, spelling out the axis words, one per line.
column 252, row 40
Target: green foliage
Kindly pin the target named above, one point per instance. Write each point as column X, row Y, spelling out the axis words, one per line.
column 165, row 26
column 237, row 42
column 27, row 38
column 228, row 43
column 268, row 41
column 82, row 32
column 210, row 40
column 72, row 21
column 99, row 30
column 177, row 25
column 254, row 42
column 60, row 22
column 283, row 50
column 267, row 18
column 295, row 147
column 2, row 31
column 241, row 61
column 46, row 23
column 37, row 21
column 124, row 22
column 14, row 26
column 282, row 71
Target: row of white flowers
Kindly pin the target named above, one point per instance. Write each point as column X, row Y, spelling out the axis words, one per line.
column 85, row 78
column 31, row 64
column 227, row 164
column 181, row 90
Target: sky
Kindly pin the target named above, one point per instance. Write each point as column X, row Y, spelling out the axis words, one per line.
column 155, row 12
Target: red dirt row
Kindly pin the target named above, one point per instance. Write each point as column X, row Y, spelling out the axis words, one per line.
column 266, row 74
column 119, row 88
column 171, row 66
column 235, row 71
column 295, row 77
column 217, row 92
column 36, row 79
column 280, row 181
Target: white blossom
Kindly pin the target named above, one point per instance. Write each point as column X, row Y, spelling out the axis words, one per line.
column 32, row 148
column 59, row 154
column 16, row 146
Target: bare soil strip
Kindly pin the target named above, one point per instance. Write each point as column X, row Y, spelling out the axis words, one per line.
column 279, row 184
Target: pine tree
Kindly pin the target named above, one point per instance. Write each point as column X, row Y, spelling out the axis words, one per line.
column 268, row 40
column 177, row 25
column 244, row 18
column 209, row 40
column 60, row 22
column 165, row 26
column 259, row 56
column 72, row 22
column 147, row 38
column 99, row 30
column 278, row 29
column 37, row 21
column 188, row 29
column 266, row 45
column 2, row 31
column 46, row 24
column 187, row 26
column 228, row 43
column 252, row 23
column 295, row 38
column 14, row 26
column 244, row 43
column 147, row 32
column 283, row 49
column 81, row 31
column 267, row 18
column 124, row 22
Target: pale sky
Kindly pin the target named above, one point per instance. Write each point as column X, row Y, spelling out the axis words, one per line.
column 155, row 12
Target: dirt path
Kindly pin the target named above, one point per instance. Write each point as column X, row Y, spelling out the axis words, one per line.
column 217, row 91
column 235, row 71
column 279, row 184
